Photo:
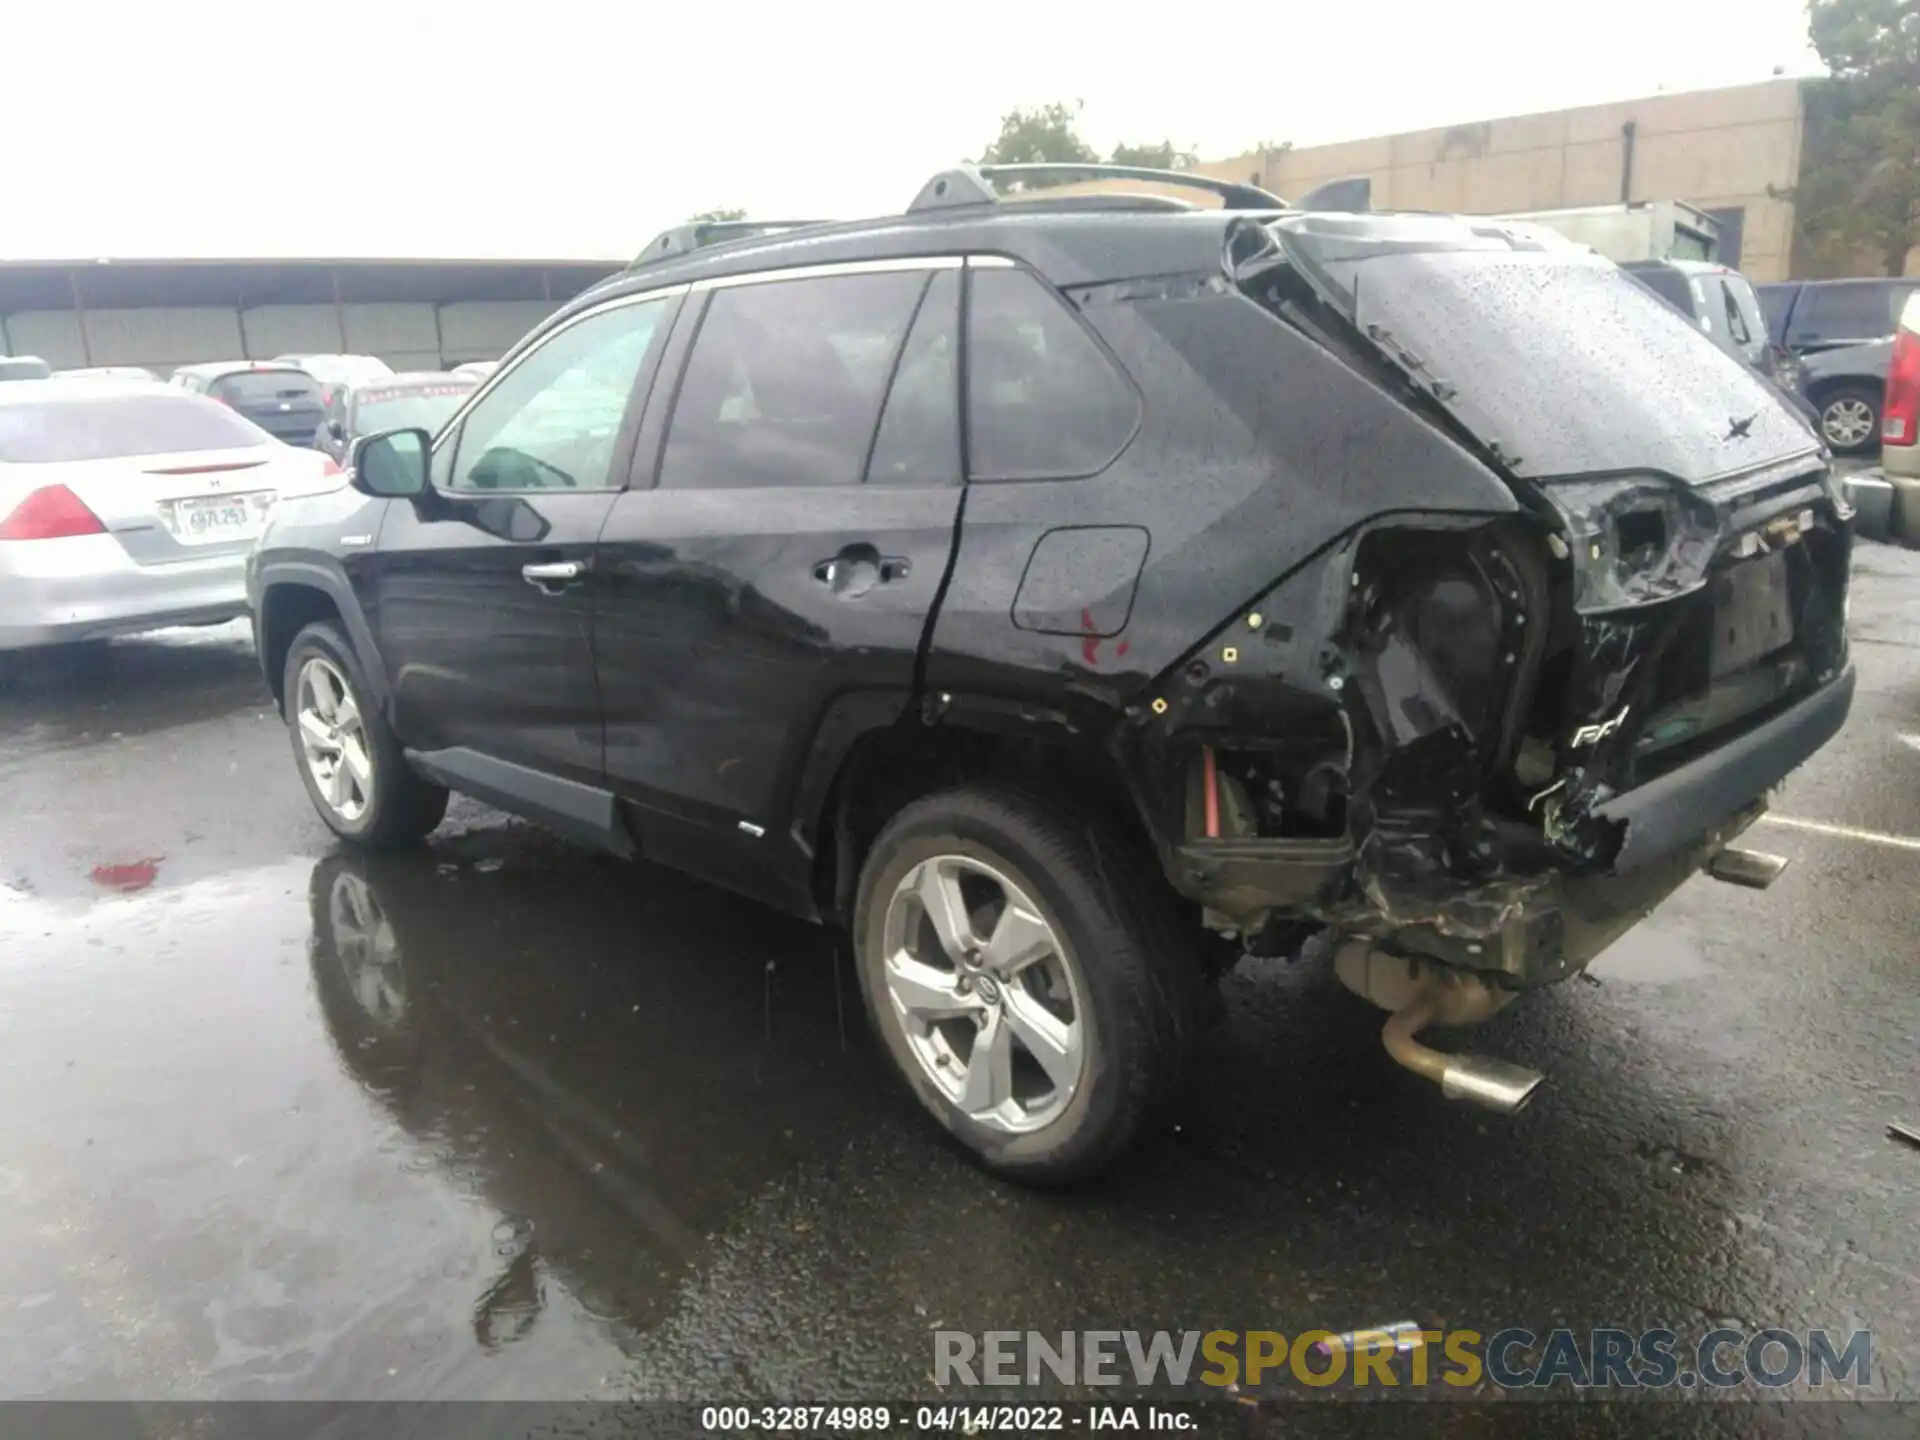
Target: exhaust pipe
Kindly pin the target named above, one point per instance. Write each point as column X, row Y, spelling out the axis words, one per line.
column 1490, row 1084
column 1421, row 995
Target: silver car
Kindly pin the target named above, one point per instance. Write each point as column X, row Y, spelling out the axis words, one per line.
column 129, row 505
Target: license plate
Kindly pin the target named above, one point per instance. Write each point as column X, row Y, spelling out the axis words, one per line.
column 207, row 519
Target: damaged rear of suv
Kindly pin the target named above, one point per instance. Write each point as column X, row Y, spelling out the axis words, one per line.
column 1477, row 750
column 1066, row 595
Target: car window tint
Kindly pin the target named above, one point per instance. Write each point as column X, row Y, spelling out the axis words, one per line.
column 266, row 387
column 785, row 380
column 919, row 439
column 1737, row 322
column 552, row 423
column 1777, row 302
column 1856, row 310
column 1044, row 402
column 1669, row 285
column 112, row 427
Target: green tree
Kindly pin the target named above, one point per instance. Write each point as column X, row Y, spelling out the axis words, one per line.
column 1043, row 134
column 1859, row 187
column 706, row 217
column 1164, row 156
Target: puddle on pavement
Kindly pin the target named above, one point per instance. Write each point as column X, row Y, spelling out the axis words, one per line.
column 498, row 1095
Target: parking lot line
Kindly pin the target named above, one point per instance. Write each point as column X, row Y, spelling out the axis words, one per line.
column 1843, row 832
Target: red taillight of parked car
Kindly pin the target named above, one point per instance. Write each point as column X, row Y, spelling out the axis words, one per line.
column 51, row 513
column 331, row 468
column 1900, row 414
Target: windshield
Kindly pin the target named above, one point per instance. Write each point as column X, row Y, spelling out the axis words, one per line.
column 426, row 407
column 112, row 427
column 1558, row 361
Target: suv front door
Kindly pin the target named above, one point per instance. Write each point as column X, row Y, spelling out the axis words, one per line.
column 483, row 593
column 769, row 573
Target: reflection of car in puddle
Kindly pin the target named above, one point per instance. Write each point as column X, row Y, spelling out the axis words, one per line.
column 612, row 1058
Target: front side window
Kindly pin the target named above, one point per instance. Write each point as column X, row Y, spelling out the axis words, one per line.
column 1044, row 402
column 785, row 381
column 554, row 421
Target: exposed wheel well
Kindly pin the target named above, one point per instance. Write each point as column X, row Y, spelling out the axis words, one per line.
column 889, row 769
column 285, row 611
column 1820, row 391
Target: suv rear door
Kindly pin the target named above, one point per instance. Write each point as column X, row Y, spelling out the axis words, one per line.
column 769, row 573
column 481, row 593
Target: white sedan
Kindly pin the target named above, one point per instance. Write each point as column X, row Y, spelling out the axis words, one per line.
column 128, row 505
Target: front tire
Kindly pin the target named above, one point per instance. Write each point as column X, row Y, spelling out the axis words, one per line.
column 1850, row 419
column 1027, row 977
column 347, row 756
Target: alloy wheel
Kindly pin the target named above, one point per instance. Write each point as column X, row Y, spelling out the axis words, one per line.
column 1846, row 422
column 986, row 993
column 333, row 738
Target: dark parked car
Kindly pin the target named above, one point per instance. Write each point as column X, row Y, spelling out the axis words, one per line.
column 400, row 402
column 1066, row 596
column 1721, row 301
column 1846, row 387
column 282, row 401
column 1806, row 316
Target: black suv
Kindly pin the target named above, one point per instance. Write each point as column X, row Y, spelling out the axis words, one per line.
column 1067, row 595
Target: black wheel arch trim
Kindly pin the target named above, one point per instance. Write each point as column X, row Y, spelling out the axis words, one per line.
column 331, row 582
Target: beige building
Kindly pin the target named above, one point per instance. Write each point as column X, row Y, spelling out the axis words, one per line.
column 1725, row 151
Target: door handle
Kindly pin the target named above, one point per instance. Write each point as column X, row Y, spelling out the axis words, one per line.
column 858, row 568
column 553, row 576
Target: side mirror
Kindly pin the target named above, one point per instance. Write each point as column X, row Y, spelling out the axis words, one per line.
column 393, row 464
column 336, row 429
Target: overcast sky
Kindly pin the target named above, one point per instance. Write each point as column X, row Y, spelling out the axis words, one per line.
column 555, row 128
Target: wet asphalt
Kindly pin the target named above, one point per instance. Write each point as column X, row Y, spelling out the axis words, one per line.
column 502, row 1119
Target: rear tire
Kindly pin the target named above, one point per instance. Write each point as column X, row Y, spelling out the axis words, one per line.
column 1112, row 1000
column 1850, row 419
column 347, row 756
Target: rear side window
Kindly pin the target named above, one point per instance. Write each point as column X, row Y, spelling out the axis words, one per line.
column 1044, row 402
column 919, row 438
column 785, row 381
column 266, row 387
column 1853, row 310
column 1669, row 285
column 116, row 426
column 1744, row 322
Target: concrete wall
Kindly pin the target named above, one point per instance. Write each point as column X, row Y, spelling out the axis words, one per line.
column 1712, row 148
column 407, row 337
column 1717, row 149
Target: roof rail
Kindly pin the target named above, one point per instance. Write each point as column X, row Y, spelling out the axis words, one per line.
column 683, row 239
column 973, row 184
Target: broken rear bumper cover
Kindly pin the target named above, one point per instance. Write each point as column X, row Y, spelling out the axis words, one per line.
column 1668, row 813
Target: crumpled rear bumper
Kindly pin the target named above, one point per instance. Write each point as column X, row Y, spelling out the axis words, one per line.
column 1668, row 813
